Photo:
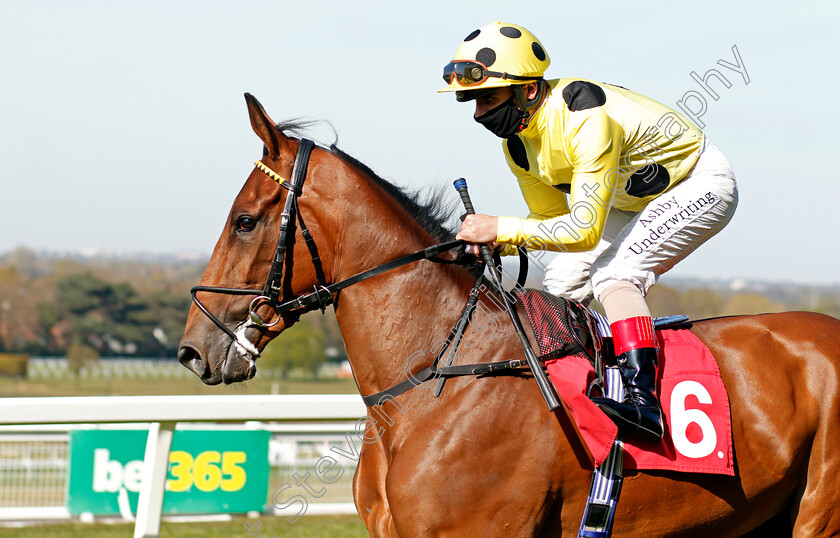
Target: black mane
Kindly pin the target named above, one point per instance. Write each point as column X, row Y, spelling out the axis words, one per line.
column 429, row 207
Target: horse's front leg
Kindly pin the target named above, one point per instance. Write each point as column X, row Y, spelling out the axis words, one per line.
column 369, row 490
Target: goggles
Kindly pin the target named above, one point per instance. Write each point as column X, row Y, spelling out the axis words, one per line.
column 470, row 73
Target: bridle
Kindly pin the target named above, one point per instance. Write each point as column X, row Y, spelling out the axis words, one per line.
column 324, row 294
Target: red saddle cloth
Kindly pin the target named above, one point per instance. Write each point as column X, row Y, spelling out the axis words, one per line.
column 698, row 430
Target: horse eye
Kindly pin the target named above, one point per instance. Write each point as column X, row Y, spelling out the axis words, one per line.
column 245, row 223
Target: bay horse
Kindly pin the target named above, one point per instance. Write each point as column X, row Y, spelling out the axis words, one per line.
column 487, row 458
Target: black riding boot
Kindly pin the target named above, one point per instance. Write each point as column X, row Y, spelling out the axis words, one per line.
column 640, row 412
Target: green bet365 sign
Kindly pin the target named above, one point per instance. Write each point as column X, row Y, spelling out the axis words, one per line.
column 209, row 471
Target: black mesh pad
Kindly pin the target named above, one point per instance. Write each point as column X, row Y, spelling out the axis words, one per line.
column 558, row 324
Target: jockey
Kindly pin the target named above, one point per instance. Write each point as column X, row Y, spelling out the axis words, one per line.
column 645, row 188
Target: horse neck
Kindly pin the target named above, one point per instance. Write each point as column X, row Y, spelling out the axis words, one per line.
column 391, row 323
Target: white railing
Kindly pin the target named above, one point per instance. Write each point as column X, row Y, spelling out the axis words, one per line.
column 33, row 471
column 133, row 368
column 162, row 413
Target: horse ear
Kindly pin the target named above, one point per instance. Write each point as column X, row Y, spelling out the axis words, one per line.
column 263, row 125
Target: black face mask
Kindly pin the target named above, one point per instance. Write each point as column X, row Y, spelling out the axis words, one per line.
column 503, row 121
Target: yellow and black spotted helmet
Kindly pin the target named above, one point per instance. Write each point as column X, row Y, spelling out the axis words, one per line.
column 497, row 55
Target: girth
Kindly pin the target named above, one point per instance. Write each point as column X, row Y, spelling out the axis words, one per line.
column 444, row 372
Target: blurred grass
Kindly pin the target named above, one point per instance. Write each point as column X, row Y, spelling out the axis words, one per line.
column 16, row 387
column 306, row 527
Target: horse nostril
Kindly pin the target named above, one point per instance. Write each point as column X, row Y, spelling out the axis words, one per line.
column 189, row 357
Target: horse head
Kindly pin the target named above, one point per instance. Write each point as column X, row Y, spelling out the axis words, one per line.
column 234, row 292
column 301, row 221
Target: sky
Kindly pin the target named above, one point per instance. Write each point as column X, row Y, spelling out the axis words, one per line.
column 123, row 126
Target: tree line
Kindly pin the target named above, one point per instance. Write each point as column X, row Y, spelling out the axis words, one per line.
column 89, row 308
column 53, row 306
column 86, row 309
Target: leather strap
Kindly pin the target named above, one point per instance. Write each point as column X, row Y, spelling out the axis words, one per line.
column 274, row 283
column 489, row 368
column 457, row 331
column 327, row 292
column 316, row 260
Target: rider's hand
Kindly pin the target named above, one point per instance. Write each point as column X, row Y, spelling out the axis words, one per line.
column 477, row 229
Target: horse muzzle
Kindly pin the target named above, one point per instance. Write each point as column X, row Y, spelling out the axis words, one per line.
column 237, row 360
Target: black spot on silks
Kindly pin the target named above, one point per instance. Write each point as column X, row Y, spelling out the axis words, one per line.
column 652, row 179
column 580, row 95
column 538, row 51
column 486, row 56
column 565, row 187
column 473, row 35
column 517, row 152
column 510, row 31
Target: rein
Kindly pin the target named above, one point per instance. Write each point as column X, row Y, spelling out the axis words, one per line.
column 325, row 294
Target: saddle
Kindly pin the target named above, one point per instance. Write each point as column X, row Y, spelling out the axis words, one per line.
column 566, row 329
column 698, row 436
column 563, row 327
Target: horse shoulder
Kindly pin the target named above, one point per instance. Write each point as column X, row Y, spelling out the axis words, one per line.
column 486, row 449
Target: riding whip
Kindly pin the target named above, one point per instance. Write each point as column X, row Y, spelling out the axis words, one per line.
column 536, row 368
